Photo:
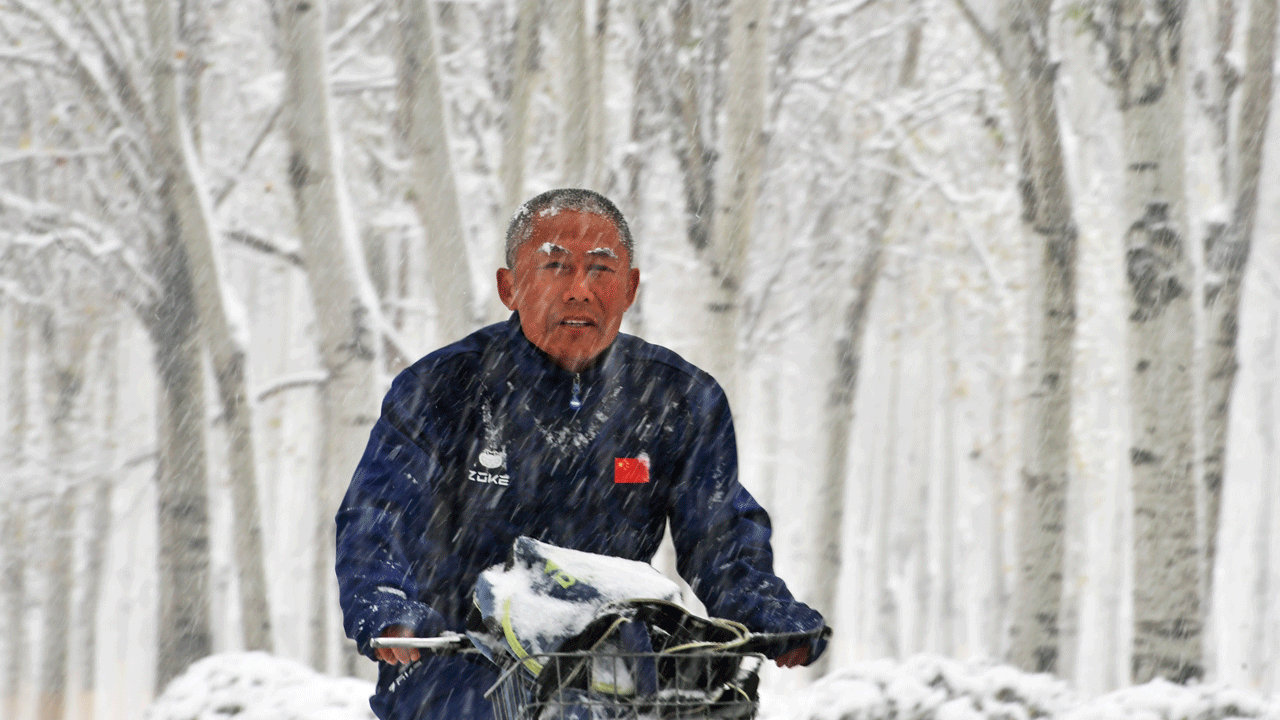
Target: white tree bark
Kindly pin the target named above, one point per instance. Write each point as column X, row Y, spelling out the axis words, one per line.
column 524, row 69
column 888, row 607
column 14, row 572
column 1143, row 38
column 1226, row 257
column 435, row 188
column 99, row 509
column 15, row 595
column 1028, row 74
column 55, row 637
column 185, row 626
column 582, row 69
column 737, row 186
column 346, row 306
column 65, row 336
column 223, row 331
column 1262, row 662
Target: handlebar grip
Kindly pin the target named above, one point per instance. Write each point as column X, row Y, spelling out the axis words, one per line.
column 759, row 642
column 443, row 645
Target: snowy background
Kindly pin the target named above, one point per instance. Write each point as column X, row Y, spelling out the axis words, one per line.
column 929, row 538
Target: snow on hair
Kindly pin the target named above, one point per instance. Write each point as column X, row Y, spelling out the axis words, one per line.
column 552, row 202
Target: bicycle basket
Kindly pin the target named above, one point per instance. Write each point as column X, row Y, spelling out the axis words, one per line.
column 604, row 686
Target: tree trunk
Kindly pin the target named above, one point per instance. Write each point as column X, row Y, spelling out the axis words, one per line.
column 582, row 72
column 887, row 605
column 1261, row 662
column 187, row 200
column 435, row 189
column 524, row 69
column 15, row 592
column 64, row 346
column 55, row 638
column 950, row 546
column 692, row 138
column 185, row 627
column 16, row 548
column 346, row 308
column 842, row 390
column 1226, row 256
column 1050, row 226
column 737, row 186
column 1148, row 70
column 99, row 520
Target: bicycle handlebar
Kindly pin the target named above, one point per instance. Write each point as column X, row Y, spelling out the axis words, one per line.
column 453, row 643
column 442, row 645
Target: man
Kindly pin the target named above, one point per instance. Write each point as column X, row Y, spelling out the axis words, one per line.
column 555, row 426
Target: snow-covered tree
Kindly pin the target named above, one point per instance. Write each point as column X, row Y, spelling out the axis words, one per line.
column 1229, row 241
column 191, row 218
column 1143, row 43
column 434, row 187
column 347, row 314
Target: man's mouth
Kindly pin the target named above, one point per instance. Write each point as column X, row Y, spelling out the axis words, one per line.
column 577, row 322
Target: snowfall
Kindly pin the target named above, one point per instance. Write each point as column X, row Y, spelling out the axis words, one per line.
column 258, row 686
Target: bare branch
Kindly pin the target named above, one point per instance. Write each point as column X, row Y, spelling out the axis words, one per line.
column 248, row 157
column 307, row 378
column 286, row 251
column 985, row 36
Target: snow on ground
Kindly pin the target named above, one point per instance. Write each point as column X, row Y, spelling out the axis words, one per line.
column 256, row 686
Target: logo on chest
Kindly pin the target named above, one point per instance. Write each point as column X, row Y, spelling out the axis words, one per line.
column 490, row 468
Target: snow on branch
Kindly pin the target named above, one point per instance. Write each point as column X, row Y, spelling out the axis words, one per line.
column 289, row 252
column 87, row 70
column 291, row 382
column 51, row 153
column 39, row 235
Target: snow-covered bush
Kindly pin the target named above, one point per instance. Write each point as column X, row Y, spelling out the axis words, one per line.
column 1162, row 700
column 931, row 688
column 258, row 686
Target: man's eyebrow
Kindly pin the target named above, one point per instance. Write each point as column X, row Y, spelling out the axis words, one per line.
column 550, row 247
column 604, row 251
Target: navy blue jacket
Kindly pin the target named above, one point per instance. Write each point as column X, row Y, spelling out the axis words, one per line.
column 488, row 439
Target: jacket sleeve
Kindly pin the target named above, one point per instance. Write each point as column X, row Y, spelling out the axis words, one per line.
column 722, row 535
column 379, row 541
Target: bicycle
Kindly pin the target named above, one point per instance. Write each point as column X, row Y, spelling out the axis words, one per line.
column 710, row 682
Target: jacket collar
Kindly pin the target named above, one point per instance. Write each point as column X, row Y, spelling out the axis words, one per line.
column 534, row 369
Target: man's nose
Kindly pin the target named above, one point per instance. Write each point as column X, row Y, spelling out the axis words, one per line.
column 579, row 289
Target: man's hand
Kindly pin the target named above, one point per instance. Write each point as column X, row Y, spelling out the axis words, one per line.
column 794, row 657
column 397, row 656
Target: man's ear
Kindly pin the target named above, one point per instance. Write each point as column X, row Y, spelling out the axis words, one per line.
column 633, row 285
column 507, row 288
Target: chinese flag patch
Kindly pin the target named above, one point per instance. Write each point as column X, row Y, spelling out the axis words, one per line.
column 631, row 470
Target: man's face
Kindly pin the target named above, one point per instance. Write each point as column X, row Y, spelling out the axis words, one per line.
column 571, row 283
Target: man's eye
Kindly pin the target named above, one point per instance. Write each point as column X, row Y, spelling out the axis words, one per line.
column 600, row 268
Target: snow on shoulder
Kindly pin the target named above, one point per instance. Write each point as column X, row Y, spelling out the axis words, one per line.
column 258, row 686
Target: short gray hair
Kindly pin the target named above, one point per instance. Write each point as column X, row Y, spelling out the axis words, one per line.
column 552, row 201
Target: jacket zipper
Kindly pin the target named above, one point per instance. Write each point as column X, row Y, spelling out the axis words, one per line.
column 575, row 402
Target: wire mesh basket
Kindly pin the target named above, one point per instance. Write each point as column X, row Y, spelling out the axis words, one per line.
column 628, row 686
